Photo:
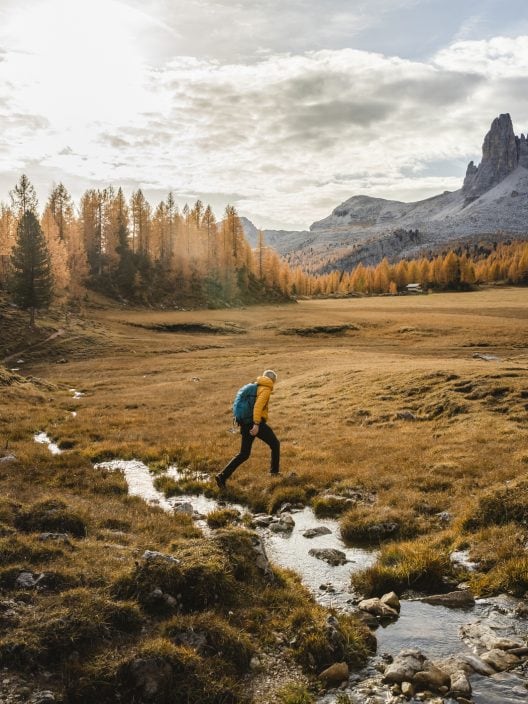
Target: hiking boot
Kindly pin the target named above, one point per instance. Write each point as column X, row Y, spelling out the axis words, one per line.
column 220, row 482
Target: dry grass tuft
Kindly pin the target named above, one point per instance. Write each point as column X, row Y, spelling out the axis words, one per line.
column 222, row 517
column 51, row 515
column 375, row 524
column 419, row 565
column 499, row 506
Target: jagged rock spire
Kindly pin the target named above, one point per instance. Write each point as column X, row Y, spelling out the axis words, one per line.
column 502, row 152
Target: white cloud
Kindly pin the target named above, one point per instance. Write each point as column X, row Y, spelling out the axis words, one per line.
column 499, row 57
column 286, row 136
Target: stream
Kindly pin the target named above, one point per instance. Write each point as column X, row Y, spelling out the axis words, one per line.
column 432, row 629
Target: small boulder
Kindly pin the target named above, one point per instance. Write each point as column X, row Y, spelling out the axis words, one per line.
column 155, row 555
column 26, row 580
column 407, row 689
column 281, row 526
column 405, row 415
column 335, row 674
column 315, row 532
column 431, row 677
column 57, row 537
column 43, row 696
column 331, row 555
column 404, row 667
column 391, row 599
column 460, row 684
column 150, row 677
column 261, row 558
column 460, row 599
column 500, row 660
column 184, row 507
column 376, row 607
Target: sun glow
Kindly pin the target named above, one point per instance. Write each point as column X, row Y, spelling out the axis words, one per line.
column 77, row 61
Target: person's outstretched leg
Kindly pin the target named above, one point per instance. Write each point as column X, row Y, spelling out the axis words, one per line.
column 267, row 435
column 245, row 451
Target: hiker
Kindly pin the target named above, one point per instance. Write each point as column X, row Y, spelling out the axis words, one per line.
column 253, row 424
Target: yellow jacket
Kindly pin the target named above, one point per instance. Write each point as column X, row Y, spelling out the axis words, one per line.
column 264, row 389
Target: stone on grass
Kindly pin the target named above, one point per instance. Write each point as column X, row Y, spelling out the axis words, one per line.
column 26, row 580
column 58, row 537
column 335, row 674
column 44, row 696
column 261, row 558
column 184, row 507
column 151, row 677
column 155, row 555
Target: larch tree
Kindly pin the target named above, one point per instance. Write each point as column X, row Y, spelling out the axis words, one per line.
column 141, row 212
column 7, row 240
column 57, row 250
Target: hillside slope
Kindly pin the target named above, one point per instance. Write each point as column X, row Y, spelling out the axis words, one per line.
column 493, row 200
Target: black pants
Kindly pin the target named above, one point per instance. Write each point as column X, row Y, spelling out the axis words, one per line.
column 265, row 434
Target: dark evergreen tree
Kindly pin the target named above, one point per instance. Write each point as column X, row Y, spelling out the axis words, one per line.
column 31, row 282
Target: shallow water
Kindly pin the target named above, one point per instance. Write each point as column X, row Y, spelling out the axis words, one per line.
column 292, row 551
column 502, row 688
column 44, row 439
column 140, row 481
column 432, row 629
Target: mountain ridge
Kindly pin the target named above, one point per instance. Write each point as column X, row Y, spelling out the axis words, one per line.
column 492, row 202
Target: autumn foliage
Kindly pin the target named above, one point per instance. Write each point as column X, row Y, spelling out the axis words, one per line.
column 161, row 255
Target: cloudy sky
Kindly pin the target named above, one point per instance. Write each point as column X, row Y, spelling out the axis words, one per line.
column 283, row 108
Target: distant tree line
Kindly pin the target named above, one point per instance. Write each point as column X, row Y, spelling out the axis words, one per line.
column 454, row 271
column 163, row 256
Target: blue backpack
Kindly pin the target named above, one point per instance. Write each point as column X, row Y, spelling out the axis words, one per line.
column 244, row 403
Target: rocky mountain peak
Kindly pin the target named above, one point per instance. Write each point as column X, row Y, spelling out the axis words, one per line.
column 502, row 153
